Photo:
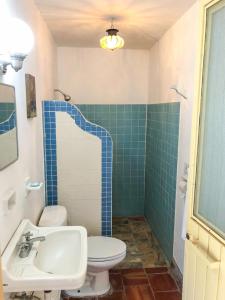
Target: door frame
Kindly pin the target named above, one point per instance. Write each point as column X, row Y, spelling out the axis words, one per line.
column 205, row 4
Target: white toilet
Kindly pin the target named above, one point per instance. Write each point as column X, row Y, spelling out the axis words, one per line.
column 103, row 254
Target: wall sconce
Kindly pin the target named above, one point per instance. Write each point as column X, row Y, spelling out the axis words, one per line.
column 16, row 41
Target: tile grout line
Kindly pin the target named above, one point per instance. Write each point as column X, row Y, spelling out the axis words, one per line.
column 149, row 283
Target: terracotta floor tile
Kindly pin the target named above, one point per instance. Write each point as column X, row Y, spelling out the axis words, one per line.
column 168, row 296
column 133, row 270
column 116, row 282
column 134, row 277
column 141, row 292
column 156, row 270
column 114, row 296
column 115, row 271
column 162, row 282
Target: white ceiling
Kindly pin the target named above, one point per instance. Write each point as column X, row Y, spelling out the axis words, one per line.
column 81, row 23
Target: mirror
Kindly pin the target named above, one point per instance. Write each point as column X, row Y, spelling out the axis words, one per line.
column 8, row 128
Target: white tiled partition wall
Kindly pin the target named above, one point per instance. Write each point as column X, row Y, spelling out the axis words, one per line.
column 79, row 173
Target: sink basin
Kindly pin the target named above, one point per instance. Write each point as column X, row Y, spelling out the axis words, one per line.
column 55, row 255
column 59, row 262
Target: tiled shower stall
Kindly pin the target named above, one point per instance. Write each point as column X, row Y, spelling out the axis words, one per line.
column 145, row 143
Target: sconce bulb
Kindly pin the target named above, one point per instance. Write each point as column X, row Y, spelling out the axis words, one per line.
column 20, row 38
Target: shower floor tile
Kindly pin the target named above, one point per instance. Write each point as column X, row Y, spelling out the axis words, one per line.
column 143, row 250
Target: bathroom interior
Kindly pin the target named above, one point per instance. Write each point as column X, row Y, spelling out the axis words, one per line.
column 95, row 147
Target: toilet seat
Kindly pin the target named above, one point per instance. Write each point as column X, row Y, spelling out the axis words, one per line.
column 101, row 248
column 112, row 258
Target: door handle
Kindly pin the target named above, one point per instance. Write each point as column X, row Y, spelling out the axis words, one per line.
column 194, row 246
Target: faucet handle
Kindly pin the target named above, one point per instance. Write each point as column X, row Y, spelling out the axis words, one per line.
column 27, row 235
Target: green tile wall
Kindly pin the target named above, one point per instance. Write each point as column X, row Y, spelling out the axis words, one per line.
column 161, row 168
column 127, row 126
column 6, row 110
column 144, row 183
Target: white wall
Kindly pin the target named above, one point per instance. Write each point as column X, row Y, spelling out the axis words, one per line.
column 173, row 62
column 79, row 174
column 40, row 63
column 96, row 76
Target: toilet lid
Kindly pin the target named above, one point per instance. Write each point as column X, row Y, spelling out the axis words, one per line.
column 54, row 215
column 101, row 247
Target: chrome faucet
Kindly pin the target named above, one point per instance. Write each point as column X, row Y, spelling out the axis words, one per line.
column 26, row 246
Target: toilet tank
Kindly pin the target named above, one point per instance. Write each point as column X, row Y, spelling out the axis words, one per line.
column 55, row 215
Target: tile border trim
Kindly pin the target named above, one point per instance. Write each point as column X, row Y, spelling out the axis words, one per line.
column 49, row 108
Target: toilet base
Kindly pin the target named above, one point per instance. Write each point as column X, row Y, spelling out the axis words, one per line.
column 96, row 284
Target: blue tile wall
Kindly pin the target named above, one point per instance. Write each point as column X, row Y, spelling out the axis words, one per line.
column 161, row 170
column 50, row 109
column 127, row 126
column 9, row 124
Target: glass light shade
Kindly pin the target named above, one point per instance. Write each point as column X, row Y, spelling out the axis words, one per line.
column 112, row 42
column 18, row 37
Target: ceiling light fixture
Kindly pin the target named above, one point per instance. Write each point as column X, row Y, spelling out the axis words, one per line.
column 112, row 40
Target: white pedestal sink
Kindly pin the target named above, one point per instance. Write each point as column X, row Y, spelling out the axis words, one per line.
column 59, row 262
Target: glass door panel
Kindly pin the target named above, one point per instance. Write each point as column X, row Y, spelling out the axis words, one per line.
column 209, row 205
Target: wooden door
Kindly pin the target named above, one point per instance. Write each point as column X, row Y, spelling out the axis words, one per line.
column 204, row 270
